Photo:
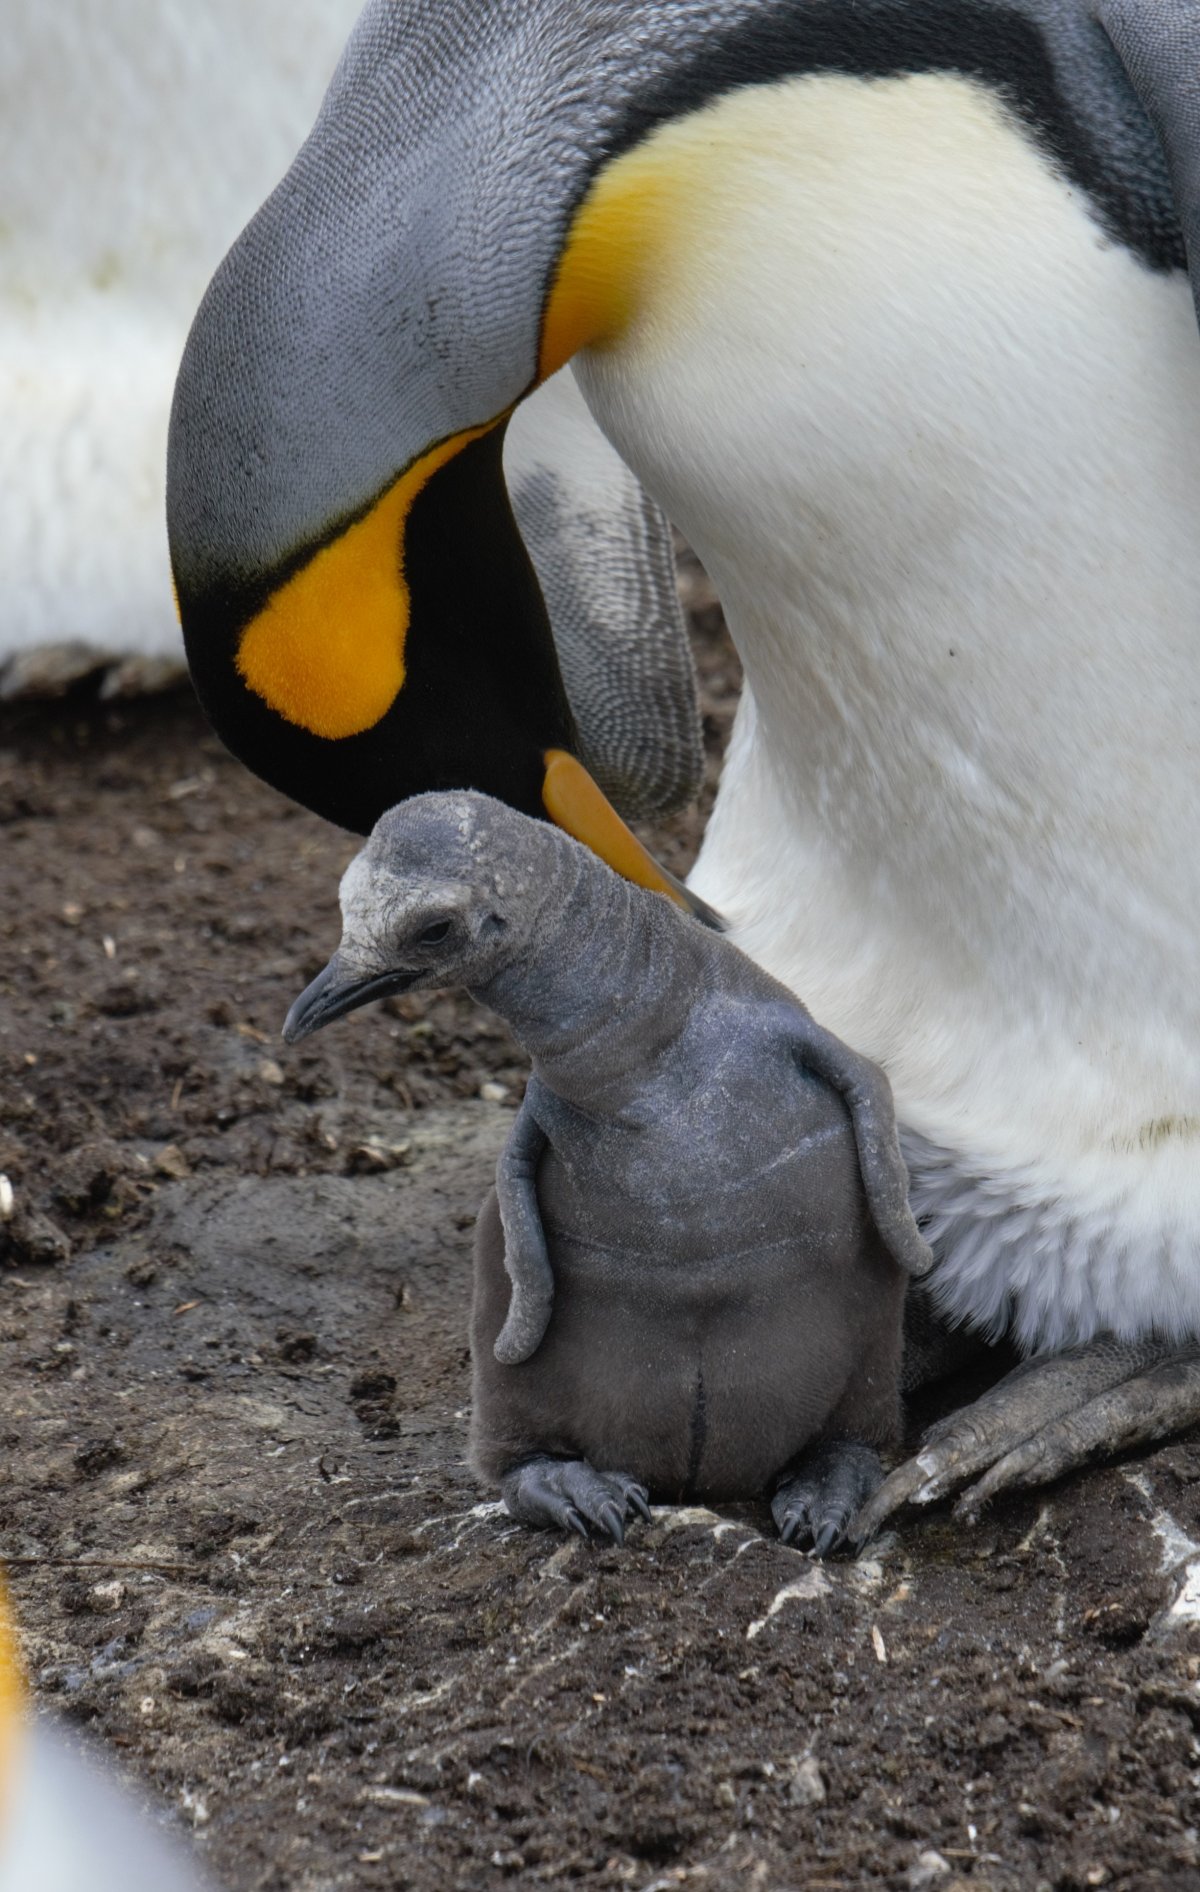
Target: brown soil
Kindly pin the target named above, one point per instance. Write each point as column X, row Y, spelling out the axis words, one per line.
column 242, row 1543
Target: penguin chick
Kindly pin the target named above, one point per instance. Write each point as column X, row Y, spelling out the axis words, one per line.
column 693, row 1264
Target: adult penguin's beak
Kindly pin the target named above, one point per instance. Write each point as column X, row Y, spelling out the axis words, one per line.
column 576, row 805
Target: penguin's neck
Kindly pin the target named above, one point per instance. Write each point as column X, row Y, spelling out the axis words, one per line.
column 597, row 988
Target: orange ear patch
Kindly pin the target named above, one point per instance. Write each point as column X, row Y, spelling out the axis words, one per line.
column 327, row 649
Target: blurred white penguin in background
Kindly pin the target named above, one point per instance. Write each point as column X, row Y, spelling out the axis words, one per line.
column 122, row 189
column 65, row 1823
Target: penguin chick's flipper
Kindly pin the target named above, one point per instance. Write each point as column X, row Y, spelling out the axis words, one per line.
column 568, row 1494
column 867, row 1096
column 1048, row 1416
column 605, row 562
column 526, row 1261
column 817, row 1497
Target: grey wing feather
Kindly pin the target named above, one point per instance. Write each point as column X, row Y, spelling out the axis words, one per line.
column 1159, row 46
column 603, row 554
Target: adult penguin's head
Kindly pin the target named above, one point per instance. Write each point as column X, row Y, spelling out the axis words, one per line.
column 361, row 617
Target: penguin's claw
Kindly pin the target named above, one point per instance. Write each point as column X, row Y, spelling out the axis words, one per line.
column 1151, row 1406
column 825, row 1539
column 819, row 1495
column 639, row 1498
column 613, row 1523
column 568, row 1494
column 1048, row 1417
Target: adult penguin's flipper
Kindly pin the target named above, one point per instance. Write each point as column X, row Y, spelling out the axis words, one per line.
column 603, row 554
column 1159, row 46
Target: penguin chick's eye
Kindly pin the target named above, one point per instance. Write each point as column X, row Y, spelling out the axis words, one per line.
column 435, row 934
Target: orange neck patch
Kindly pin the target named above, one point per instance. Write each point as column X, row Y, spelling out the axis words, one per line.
column 327, row 649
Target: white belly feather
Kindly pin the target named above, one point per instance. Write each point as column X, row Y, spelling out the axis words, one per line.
column 938, row 442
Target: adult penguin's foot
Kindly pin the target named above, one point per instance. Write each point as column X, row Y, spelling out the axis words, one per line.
column 1049, row 1416
column 817, row 1497
column 568, row 1494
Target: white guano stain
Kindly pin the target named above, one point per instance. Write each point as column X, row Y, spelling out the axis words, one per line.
column 802, row 1589
column 1179, row 1557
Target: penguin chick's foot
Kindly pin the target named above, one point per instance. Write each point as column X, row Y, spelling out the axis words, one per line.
column 1048, row 1416
column 816, row 1497
column 567, row 1494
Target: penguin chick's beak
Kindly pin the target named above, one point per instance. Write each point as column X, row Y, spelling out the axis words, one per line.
column 332, row 994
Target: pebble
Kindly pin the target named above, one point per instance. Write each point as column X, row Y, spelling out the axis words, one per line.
column 195, row 1806
column 394, row 1797
column 374, row 1157
column 35, row 1237
column 806, row 1788
column 928, row 1869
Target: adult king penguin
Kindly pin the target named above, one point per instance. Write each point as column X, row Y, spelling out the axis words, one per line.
column 886, row 302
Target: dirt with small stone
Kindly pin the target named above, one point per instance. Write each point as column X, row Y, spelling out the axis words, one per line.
column 243, row 1548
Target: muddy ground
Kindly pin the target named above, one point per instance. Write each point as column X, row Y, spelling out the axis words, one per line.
column 242, row 1544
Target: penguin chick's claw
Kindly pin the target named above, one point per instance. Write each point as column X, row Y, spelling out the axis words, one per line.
column 816, row 1499
column 567, row 1494
column 1049, row 1416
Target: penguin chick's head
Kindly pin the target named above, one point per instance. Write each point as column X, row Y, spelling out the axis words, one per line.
column 444, row 893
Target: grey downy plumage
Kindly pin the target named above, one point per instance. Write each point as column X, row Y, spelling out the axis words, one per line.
column 693, row 1264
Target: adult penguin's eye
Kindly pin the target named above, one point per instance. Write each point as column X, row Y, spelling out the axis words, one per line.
column 435, row 934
